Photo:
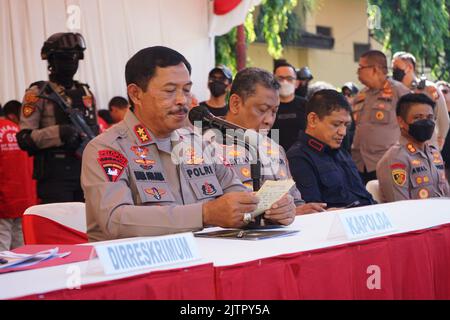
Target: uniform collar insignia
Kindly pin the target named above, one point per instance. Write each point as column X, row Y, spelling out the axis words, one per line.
column 411, row 148
column 316, row 144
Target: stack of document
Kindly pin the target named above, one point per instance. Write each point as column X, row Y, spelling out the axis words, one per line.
column 10, row 259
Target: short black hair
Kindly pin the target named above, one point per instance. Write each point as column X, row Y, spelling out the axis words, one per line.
column 410, row 99
column 244, row 84
column 142, row 66
column 12, row 107
column 324, row 102
column 376, row 57
column 283, row 63
column 119, row 102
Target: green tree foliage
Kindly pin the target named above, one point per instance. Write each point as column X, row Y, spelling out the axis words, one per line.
column 416, row 26
column 275, row 23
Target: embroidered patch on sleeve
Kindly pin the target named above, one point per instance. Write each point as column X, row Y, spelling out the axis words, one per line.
column 399, row 174
column 28, row 110
column 113, row 163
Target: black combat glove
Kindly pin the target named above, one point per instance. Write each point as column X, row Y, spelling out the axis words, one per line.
column 70, row 137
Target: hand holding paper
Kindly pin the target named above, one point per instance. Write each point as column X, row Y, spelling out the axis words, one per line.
column 270, row 193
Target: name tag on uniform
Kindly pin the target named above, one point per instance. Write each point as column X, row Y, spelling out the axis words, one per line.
column 145, row 253
column 359, row 223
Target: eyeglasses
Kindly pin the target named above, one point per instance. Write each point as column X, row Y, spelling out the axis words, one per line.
column 364, row 67
column 281, row 78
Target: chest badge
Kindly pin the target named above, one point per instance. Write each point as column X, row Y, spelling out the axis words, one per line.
column 208, row 189
column 143, row 162
column 156, row 193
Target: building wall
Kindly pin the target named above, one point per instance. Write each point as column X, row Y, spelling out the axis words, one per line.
column 348, row 20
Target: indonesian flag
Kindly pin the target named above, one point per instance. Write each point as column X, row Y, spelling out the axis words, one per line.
column 228, row 14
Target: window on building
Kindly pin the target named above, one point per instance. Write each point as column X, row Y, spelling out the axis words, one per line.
column 324, row 31
column 359, row 49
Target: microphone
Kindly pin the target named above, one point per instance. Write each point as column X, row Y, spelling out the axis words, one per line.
column 210, row 121
column 203, row 115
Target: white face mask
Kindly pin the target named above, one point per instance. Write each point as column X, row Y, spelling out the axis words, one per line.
column 287, row 89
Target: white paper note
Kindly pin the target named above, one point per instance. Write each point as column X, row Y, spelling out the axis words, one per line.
column 271, row 192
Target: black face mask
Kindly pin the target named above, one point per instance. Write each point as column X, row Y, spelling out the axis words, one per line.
column 63, row 67
column 398, row 74
column 217, row 88
column 422, row 130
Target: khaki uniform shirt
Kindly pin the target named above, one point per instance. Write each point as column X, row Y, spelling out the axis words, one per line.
column 377, row 129
column 405, row 173
column 440, row 110
column 274, row 163
column 43, row 117
column 136, row 185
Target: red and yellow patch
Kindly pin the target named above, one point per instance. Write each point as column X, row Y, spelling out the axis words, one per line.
column 28, row 110
column 30, row 97
column 142, row 134
column 399, row 174
column 113, row 163
column 424, row 193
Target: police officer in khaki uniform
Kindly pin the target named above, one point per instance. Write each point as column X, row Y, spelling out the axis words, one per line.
column 146, row 176
column 47, row 131
column 374, row 114
column 404, row 70
column 254, row 102
column 413, row 168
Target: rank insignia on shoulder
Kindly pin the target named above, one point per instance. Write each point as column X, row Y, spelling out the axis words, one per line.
column 142, row 133
column 156, row 193
column 399, row 174
column 113, row 163
column 411, row 148
column 28, row 110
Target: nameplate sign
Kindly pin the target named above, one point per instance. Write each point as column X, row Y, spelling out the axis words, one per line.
column 361, row 224
column 133, row 255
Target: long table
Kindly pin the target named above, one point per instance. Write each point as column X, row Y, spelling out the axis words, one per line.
column 412, row 262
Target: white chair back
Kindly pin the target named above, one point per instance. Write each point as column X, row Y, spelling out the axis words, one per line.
column 374, row 189
column 70, row 214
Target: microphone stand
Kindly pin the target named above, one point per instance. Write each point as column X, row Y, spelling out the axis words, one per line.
column 255, row 170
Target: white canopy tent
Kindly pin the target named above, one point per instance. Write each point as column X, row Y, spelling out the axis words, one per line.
column 114, row 30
